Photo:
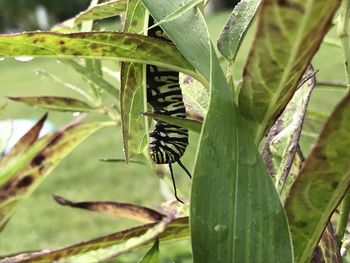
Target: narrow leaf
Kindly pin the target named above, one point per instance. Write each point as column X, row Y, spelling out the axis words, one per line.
column 132, row 88
column 135, row 212
column 192, row 125
column 57, row 103
column 321, row 184
column 176, row 230
column 152, row 256
column 102, row 11
column 236, row 27
column 288, row 35
column 123, row 46
column 25, row 180
column 116, row 160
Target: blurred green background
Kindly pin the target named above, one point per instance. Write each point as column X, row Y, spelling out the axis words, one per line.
column 40, row 222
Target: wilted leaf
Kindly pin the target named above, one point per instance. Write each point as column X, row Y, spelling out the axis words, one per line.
column 132, row 88
column 236, row 27
column 192, row 125
column 152, row 256
column 178, row 229
column 282, row 140
column 102, row 11
column 288, row 35
column 321, row 184
column 57, row 103
column 135, row 212
column 109, row 45
column 24, row 181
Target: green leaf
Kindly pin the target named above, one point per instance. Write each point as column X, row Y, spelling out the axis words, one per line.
column 192, row 125
column 102, row 11
column 188, row 37
column 25, row 180
column 236, row 27
column 152, row 256
column 93, row 78
column 132, row 88
column 321, row 184
column 176, row 230
column 281, row 143
column 135, row 212
column 57, row 103
column 108, row 45
column 288, row 36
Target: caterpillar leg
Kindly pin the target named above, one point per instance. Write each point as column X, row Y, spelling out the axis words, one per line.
column 183, row 167
column 174, row 184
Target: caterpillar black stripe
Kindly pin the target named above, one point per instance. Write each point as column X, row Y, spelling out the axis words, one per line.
column 168, row 142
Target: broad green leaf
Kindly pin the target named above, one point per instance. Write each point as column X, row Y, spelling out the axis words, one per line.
column 132, row 88
column 108, row 45
column 328, row 250
column 152, row 256
column 192, row 125
column 228, row 169
column 236, row 27
column 93, row 78
column 24, row 181
column 176, row 230
column 282, row 141
column 102, row 11
column 57, row 103
column 189, row 36
column 135, row 212
column 288, row 35
column 321, row 184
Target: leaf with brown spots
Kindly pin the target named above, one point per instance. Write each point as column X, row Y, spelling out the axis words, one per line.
column 132, row 88
column 321, row 184
column 57, row 103
column 87, row 251
column 102, row 11
column 135, row 212
column 125, row 47
column 24, row 181
column 288, row 35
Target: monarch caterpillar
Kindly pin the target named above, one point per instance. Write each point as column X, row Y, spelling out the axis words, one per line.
column 168, row 142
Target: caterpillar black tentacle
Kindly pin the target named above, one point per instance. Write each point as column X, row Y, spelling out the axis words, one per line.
column 168, row 142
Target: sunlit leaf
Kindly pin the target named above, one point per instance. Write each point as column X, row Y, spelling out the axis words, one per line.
column 236, row 27
column 57, row 103
column 102, row 11
column 177, row 230
column 321, row 184
column 135, row 212
column 288, row 35
column 192, row 125
column 25, row 180
column 109, row 45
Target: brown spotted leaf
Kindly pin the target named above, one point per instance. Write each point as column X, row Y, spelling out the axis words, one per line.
column 178, row 229
column 24, row 181
column 57, row 103
column 108, row 45
column 132, row 88
column 288, row 35
column 135, row 212
column 321, row 183
column 102, row 11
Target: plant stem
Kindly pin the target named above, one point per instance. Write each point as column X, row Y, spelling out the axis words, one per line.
column 343, row 34
column 343, row 218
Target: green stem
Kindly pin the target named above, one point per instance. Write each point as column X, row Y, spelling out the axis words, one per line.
column 343, row 218
column 343, row 34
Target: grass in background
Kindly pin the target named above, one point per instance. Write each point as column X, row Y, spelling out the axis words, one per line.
column 82, row 177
